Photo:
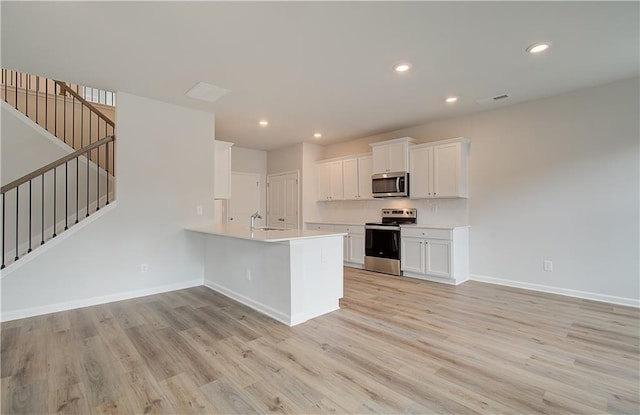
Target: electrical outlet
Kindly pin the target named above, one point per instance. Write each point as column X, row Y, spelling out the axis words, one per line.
column 199, row 210
column 547, row 265
column 144, row 268
column 323, row 256
column 248, row 274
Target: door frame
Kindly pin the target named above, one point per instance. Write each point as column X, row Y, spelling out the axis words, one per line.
column 298, row 210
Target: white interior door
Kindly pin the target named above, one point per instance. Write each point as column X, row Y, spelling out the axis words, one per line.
column 245, row 198
column 282, row 196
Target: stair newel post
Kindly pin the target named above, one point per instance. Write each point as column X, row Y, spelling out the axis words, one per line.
column 29, row 250
column 42, row 205
column 73, row 122
column 66, row 195
column 64, row 113
column 27, row 84
column 17, row 219
column 77, row 186
column 98, row 167
column 55, row 109
column 3, row 229
column 46, row 104
column 106, row 164
column 37, row 96
column 55, row 199
column 88, row 155
column 90, row 131
column 15, row 85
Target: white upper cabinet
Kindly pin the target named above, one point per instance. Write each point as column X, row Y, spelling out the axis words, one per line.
column 345, row 179
column 330, row 185
column 365, row 170
column 420, row 175
column 350, row 178
column 222, row 170
column 392, row 155
column 356, row 177
column 439, row 169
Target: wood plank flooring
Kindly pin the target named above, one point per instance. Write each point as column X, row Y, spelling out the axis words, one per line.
column 397, row 345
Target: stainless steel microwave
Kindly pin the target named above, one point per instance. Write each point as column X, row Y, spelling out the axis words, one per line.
column 390, row 184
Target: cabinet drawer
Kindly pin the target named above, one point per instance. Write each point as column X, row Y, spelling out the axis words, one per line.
column 320, row 227
column 349, row 229
column 427, row 233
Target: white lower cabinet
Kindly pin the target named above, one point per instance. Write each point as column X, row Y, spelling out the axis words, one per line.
column 353, row 243
column 435, row 254
column 353, row 247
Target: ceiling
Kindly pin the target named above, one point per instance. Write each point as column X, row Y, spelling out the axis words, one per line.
column 324, row 66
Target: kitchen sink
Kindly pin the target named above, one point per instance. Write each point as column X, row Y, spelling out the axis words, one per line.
column 270, row 229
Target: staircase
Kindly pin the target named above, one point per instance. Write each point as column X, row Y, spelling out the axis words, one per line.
column 41, row 204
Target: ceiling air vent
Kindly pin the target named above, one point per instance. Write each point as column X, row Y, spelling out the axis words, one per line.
column 493, row 99
column 206, row 92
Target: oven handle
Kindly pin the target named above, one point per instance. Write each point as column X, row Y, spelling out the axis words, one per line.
column 382, row 228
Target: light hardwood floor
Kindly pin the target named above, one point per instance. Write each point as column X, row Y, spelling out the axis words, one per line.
column 397, row 345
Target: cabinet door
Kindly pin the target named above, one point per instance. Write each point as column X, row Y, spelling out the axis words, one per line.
column 420, row 180
column 350, row 178
column 380, row 159
column 356, row 249
column 397, row 159
column 412, row 255
column 446, row 170
column 365, row 170
column 336, row 187
column 438, row 258
column 324, row 181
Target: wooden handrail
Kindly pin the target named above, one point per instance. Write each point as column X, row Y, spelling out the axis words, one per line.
column 55, row 164
column 89, row 105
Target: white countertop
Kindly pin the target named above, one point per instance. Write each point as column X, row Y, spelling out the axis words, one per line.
column 417, row 225
column 426, row 226
column 244, row 232
column 324, row 222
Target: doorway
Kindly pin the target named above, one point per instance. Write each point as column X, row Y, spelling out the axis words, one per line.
column 283, row 200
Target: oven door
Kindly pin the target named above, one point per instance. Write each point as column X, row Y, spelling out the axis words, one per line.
column 382, row 242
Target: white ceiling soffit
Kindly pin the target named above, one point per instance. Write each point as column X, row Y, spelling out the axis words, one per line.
column 325, row 66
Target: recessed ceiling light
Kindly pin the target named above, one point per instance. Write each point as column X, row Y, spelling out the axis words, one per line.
column 402, row 67
column 451, row 100
column 538, row 47
column 317, row 135
column 263, row 123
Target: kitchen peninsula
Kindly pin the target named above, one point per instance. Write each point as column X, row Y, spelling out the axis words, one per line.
column 291, row 275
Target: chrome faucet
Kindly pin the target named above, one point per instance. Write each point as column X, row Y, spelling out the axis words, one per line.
column 253, row 220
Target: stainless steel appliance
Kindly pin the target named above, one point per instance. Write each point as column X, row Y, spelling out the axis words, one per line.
column 382, row 240
column 390, row 184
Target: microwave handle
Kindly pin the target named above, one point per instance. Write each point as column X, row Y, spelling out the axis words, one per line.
column 397, row 184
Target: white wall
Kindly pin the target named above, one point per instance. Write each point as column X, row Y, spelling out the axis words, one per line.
column 556, row 178
column 20, row 136
column 163, row 171
column 284, row 159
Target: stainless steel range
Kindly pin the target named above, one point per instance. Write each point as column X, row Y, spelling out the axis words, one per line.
column 382, row 240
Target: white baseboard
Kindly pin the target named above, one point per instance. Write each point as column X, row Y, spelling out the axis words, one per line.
column 262, row 308
column 631, row 302
column 70, row 305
